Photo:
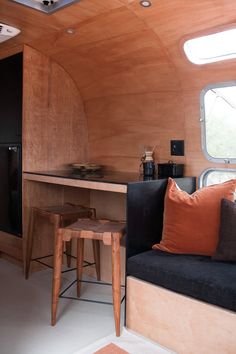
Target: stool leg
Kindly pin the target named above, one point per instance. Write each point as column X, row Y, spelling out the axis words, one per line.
column 80, row 260
column 29, row 244
column 96, row 255
column 56, row 284
column 116, row 280
column 68, row 244
column 68, row 253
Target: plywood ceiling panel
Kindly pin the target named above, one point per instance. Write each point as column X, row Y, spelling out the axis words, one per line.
column 94, row 30
column 121, row 57
column 97, row 21
column 175, row 21
column 35, row 24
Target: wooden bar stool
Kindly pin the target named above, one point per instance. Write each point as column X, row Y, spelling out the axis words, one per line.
column 59, row 216
column 110, row 232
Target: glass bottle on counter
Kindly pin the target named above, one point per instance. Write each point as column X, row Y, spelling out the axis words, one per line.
column 148, row 162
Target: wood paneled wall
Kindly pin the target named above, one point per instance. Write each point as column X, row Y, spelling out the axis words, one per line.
column 154, row 96
column 54, row 124
column 137, row 86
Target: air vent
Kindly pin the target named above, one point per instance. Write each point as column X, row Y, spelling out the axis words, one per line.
column 47, row 6
column 7, row 32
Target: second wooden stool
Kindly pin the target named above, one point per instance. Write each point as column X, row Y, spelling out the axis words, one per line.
column 59, row 216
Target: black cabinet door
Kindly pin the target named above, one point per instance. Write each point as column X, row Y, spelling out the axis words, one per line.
column 11, row 78
column 10, row 189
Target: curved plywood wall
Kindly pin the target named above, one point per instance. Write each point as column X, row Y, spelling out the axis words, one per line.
column 54, row 123
column 130, row 89
column 136, row 85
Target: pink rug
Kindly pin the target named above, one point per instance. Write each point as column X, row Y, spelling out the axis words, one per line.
column 111, row 349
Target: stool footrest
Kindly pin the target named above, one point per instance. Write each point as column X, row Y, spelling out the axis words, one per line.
column 38, row 260
column 62, row 296
column 45, row 264
column 84, row 266
column 86, row 300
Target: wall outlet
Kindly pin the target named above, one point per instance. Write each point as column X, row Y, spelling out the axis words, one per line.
column 177, row 147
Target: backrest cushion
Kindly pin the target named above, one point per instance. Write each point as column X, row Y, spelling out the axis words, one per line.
column 191, row 222
column 226, row 249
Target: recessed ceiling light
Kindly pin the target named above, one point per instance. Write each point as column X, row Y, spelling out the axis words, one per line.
column 70, row 30
column 145, row 3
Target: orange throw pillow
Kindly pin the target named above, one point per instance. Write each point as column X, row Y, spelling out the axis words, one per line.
column 191, row 222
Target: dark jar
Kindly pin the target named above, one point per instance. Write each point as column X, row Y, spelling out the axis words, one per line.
column 148, row 168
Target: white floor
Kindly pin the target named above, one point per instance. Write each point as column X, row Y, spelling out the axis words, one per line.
column 25, row 316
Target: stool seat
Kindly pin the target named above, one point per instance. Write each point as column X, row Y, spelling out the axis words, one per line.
column 66, row 211
column 59, row 216
column 95, row 229
column 110, row 233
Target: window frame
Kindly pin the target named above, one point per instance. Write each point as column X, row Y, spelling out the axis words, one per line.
column 203, row 176
column 203, row 122
column 201, row 60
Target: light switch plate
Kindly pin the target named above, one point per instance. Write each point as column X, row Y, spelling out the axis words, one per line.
column 177, row 147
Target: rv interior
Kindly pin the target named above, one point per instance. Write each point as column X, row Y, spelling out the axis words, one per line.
column 117, row 176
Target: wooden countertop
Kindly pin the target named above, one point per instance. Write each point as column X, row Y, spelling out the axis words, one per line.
column 107, row 181
column 111, row 182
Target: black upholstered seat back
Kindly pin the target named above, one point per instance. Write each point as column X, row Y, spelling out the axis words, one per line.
column 145, row 205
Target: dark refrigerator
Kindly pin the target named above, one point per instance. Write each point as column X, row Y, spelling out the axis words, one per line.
column 10, row 144
column 10, row 189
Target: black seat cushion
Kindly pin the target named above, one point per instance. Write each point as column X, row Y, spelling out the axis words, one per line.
column 196, row 276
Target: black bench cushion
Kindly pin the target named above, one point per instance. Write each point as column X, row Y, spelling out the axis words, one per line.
column 196, row 276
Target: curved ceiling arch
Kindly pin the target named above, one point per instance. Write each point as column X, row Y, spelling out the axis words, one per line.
column 117, row 47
